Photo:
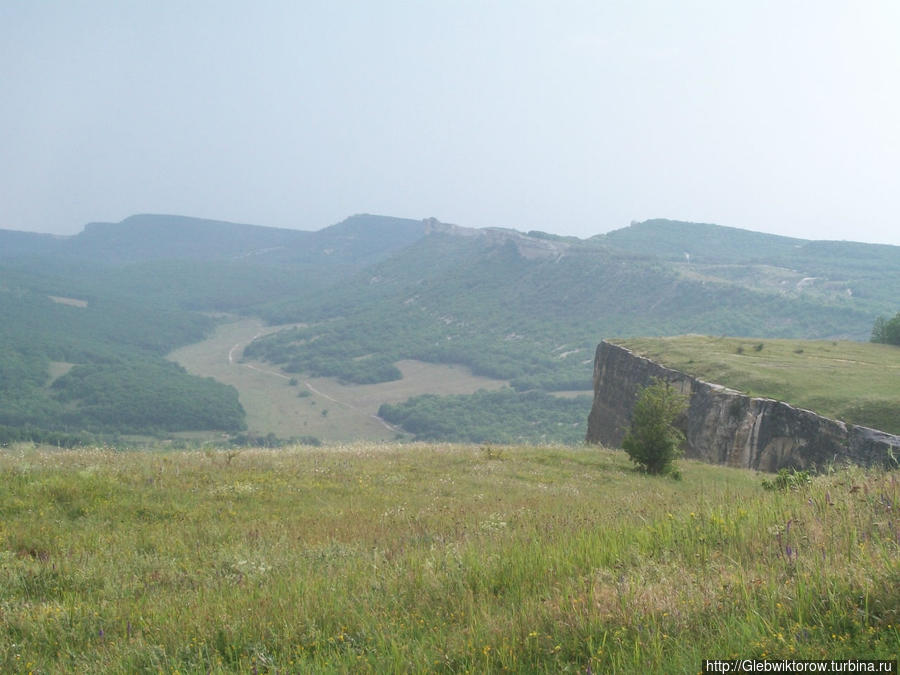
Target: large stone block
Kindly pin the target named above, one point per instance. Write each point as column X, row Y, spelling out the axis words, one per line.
column 724, row 426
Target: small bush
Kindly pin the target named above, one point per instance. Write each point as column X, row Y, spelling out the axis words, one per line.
column 788, row 480
column 653, row 442
column 887, row 331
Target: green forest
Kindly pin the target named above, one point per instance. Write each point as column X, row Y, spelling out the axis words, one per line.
column 504, row 416
column 533, row 322
column 113, row 377
column 887, row 331
column 526, row 309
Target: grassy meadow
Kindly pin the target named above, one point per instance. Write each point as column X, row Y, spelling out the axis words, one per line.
column 273, row 404
column 433, row 558
column 851, row 381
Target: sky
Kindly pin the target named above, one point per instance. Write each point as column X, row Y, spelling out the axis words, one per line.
column 568, row 117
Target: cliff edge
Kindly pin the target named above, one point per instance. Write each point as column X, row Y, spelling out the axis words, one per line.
column 723, row 426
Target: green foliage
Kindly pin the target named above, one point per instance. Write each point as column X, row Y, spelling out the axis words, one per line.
column 703, row 242
column 887, row 331
column 787, row 479
column 270, row 440
column 653, row 441
column 134, row 396
column 28, row 434
column 371, row 291
column 864, row 274
column 534, row 320
column 503, row 416
column 118, row 381
column 136, row 284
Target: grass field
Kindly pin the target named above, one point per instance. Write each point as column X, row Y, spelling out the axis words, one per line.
column 856, row 382
column 424, row 558
column 274, row 405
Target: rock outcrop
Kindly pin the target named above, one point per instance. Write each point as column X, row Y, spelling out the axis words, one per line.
column 724, row 426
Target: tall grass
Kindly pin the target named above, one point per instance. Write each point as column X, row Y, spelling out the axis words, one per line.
column 433, row 558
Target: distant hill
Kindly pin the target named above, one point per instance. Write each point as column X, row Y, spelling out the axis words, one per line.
column 359, row 239
column 870, row 273
column 531, row 309
column 15, row 244
column 527, row 308
column 88, row 318
column 161, row 237
column 700, row 242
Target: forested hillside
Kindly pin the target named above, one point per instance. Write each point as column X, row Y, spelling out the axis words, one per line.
column 532, row 316
column 359, row 239
column 71, row 366
column 492, row 417
column 89, row 318
column 828, row 270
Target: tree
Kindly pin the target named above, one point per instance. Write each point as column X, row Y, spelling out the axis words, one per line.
column 653, row 442
column 887, row 332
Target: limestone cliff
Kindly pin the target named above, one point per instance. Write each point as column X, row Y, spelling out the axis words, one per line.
column 723, row 426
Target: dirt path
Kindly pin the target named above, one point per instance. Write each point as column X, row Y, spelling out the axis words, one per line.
column 237, row 346
column 266, row 372
column 272, row 405
column 240, row 345
column 386, row 425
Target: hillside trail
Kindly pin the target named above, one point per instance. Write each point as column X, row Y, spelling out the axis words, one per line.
column 242, row 344
column 384, row 423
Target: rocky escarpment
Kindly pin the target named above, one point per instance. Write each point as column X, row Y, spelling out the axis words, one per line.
column 723, row 426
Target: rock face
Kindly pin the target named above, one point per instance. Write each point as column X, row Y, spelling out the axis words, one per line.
column 723, row 426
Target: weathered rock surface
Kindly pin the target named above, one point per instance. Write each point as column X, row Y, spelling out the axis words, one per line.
column 723, row 426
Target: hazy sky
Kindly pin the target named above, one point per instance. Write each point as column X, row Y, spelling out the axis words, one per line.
column 569, row 117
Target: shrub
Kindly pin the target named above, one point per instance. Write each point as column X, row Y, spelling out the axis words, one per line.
column 887, row 331
column 653, row 442
column 787, row 479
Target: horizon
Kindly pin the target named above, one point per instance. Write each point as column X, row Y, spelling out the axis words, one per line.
column 574, row 119
column 384, row 215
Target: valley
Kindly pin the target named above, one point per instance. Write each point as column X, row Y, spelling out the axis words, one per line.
column 454, row 333
column 294, row 405
column 497, row 540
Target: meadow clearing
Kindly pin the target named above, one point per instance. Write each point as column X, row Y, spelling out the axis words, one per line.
column 433, row 558
column 851, row 381
column 292, row 405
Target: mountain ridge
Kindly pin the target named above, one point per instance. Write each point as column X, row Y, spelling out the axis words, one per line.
column 150, row 237
column 525, row 308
